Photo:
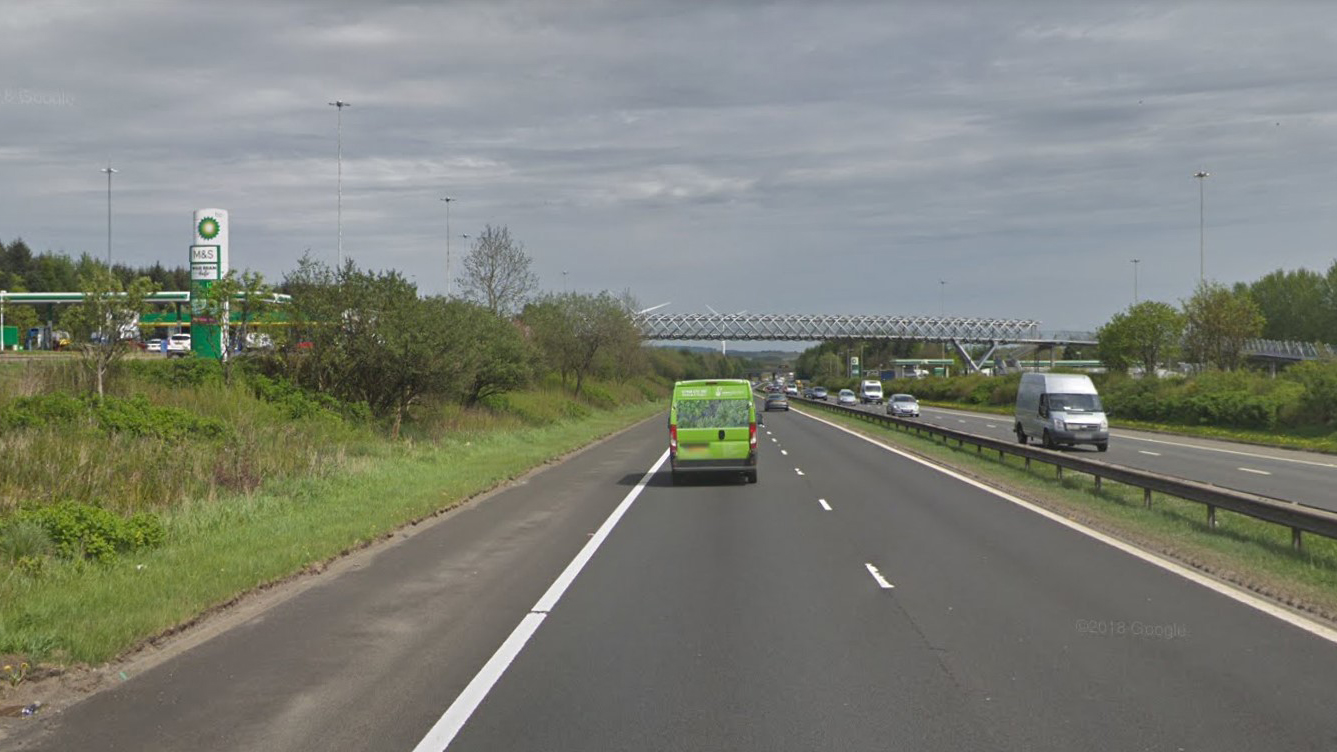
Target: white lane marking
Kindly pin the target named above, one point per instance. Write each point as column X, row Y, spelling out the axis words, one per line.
column 1271, row 609
column 1153, row 454
column 960, row 421
column 768, row 433
column 990, row 425
column 800, row 472
column 1255, row 472
column 774, row 440
column 784, row 452
column 825, row 506
column 443, row 732
column 1122, row 435
column 881, row 581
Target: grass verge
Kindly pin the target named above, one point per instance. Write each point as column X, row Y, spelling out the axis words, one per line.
column 1312, row 440
column 1249, row 553
column 82, row 612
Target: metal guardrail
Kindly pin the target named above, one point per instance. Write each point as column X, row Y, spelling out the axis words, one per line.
column 1298, row 517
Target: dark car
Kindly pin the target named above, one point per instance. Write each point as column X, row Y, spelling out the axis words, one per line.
column 777, row 402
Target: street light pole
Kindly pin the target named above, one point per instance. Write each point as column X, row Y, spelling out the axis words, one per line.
column 339, row 105
column 108, row 169
column 1135, row 262
column 1202, row 176
column 447, row 200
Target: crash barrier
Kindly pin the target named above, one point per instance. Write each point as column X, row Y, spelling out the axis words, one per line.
column 1300, row 518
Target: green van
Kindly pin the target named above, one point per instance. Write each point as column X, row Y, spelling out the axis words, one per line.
column 713, row 427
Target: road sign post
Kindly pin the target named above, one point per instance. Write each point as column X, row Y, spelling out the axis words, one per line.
column 208, row 264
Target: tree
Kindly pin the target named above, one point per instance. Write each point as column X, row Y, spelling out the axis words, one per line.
column 1147, row 334
column 494, row 354
column 497, row 272
column 105, row 324
column 246, row 296
column 1293, row 304
column 1218, row 322
column 572, row 330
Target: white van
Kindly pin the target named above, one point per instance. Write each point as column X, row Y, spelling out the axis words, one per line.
column 1060, row 410
column 870, row 391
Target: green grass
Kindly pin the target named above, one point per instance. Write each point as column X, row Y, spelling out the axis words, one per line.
column 81, row 612
column 1313, row 439
column 1249, row 552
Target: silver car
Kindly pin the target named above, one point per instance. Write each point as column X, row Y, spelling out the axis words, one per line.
column 847, row 397
column 903, row 406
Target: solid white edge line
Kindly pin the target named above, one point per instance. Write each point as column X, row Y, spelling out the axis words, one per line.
column 881, row 581
column 443, row 732
column 1271, row 609
column 1251, row 470
column 1153, row 454
column 825, row 505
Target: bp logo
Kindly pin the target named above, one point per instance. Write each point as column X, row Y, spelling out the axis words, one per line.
column 208, row 228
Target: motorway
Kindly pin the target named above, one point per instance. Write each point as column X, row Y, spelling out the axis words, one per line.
column 1303, row 477
column 853, row 599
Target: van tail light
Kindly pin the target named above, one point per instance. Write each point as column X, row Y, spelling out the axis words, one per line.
column 752, row 435
column 673, row 438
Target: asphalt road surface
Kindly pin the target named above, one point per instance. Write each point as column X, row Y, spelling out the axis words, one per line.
column 853, row 599
column 1304, row 477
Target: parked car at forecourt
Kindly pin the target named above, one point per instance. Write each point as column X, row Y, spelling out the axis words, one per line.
column 847, row 397
column 903, row 406
column 713, row 428
column 777, row 402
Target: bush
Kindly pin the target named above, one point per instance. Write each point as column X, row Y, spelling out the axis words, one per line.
column 297, row 403
column 176, row 372
column 43, row 410
column 598, row 396
column 137, row 417
column 84, row 531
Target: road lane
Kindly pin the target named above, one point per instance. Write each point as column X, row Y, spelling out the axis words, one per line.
column 736, row 617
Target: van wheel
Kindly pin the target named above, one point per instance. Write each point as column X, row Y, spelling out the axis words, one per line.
column 1103, row 446
column 752, row 477
column 1021, row 435
column 1048, row 440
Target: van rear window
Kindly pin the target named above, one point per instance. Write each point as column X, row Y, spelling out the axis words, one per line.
column 710, row 413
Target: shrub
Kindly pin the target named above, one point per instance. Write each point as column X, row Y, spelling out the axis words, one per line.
column 84, row 531
column 598, row 396
column 137, row 417
column 176, row 372
column 42, row 410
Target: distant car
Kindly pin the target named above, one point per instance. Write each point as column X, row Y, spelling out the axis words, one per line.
column 178, row 345
column 903, row 406
column 847, row 397
column 819, row 393
column 807, row 392
column 777, row 402
column 153, row 345
column 772, row 388
column 791, row 390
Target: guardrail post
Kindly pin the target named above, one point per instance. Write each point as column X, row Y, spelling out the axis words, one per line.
column 1295, row 539
column 1146, row 497
column 1028, row 463
column 1058, row 471
column 979, row 449
column 1211, row 516
column 1097, row 484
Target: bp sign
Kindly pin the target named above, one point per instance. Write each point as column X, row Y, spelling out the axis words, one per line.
column 208, row 264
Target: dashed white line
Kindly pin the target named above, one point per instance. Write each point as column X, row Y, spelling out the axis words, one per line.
column 1251, row 470
column 1153, row 454
column 800, row 472
column 1278, row 612
column 784, row 452
column 990, row 425
column 825, row 505
column 768, row 433
column 960, row 421
column 881, row 581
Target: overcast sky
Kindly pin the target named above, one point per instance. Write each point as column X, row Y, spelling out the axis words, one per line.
column 776, row 157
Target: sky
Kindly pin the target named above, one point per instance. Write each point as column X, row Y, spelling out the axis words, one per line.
column 994, row 159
